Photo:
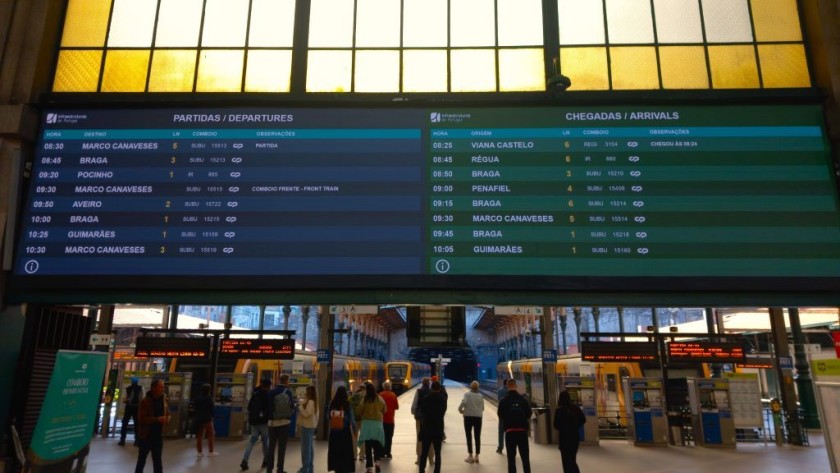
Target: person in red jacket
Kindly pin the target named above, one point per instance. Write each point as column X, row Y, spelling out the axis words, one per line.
column 392, row 404
column 152, row 415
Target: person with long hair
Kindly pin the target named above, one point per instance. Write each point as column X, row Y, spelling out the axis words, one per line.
column 340, row 447
column 308, row 422
column 568, row 419
column 472, row 407
column 371, row 412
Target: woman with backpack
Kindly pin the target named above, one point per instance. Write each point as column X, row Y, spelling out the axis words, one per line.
column 340, row 447
column 308, row 422
column 568, row 419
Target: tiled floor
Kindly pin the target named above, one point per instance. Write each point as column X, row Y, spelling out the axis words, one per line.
column 179, row 454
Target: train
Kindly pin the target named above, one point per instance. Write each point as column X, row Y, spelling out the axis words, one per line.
column 405, row 374
column 529, row 377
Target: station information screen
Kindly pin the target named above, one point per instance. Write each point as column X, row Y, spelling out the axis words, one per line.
column 160, row 347
column 542, row 198
column 618, row 351
column 706, row 352
column 280, row 349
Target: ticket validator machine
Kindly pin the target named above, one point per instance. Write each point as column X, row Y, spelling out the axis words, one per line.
column 647, row 424
column 582, row 391
column 233, row 390
column 711, row 412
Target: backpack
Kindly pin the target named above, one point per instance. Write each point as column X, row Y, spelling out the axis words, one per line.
column 257, row 408
column 337, row 419
column 283, row 405
column 518, row 413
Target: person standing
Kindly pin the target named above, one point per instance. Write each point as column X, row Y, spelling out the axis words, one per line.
column 472, row 407
column 431, row 433
column 152, row 415
column 568, row 419
column 371, row 433
column 281, row 408
column 133, row 395
column 258, row 412
column 308, row 422
column 340, row 446
column 203, row 412
column 392, row 403
column 417, row 412
column 355, row 401
column 500, row 394
column 515, row 411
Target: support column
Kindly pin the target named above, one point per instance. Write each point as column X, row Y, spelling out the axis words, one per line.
column 620, row 311
column 577, row 319
column 804, row 386
column 304, row 318
column 287, row 310
column 563, row 324
column 596, row 316
column 777, row 325
column 326, row 320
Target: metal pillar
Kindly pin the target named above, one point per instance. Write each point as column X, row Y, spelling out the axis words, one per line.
column 807, row 398
column 304, row 318
column 777, row 325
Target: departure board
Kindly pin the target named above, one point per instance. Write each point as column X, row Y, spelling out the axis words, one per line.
column 166, row 347
column 701, row 197
column 275, row 349
column 706, row 352
column 633, row 352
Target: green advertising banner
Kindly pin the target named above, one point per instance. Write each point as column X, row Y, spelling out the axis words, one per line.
column 65, row 425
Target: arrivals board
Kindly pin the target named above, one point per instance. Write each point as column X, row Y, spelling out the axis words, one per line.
column 276, row 349
column 701, row 198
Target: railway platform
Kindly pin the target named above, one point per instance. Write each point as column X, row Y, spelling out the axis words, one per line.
column 179, row 455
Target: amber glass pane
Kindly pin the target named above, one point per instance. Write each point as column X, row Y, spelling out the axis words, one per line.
column 634, row 68
column 172, row 71
column 733, row 67
column 268, row 71
column 586, row 67
column 472, row 23
column 727, row 21
column 328, row 71
column 783, row 65
column 220, row 71
column 473, row 70
column 125, row 71
column 424, row 71
column 629, row 21
column 521, row 69
column 520, row 22
column 683, row 67
column 425, row 23
column 331, row 24
column 179, row 22
column 77, row 71
column 678, row 21
column 377, row 23
column 377, row 71
column 272, row 23
column 132, row 23
column 86, row 23
column 776, row 20
column 225, row 23
column 581, row 22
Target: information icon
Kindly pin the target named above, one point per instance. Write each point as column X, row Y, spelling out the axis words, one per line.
column 442, row 266
column 31, row 267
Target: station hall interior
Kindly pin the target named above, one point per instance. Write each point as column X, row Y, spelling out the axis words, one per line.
column 634, row 201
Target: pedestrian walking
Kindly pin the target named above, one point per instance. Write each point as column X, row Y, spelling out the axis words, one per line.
column 568, row 419
column 500, row 394
column 371, row 433
column 472, row 407
column 340, row 447
column 133, row 395
column 282, row 408
column 431, row 432
column 152, row 415
column 258, row 415
column 392, row 403
column 307, row 422
column 417, row 412
column 515, row 411
column 203, row 412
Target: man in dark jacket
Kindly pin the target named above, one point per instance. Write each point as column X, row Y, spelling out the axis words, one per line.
column 258, row 409
column 431, row 430
column 417, row 412
column 515, row 411
column 152, row 415
column 133, row 395
column 568, row 419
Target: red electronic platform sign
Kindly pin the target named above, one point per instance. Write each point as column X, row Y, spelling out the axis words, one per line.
column 275, row 349
column 706, row 352
column 835, row 335
column 159, row 347
column 764, row 362
column 619, row 351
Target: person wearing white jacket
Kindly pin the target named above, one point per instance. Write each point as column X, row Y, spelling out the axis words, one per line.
column 307, row 422
column 472, row 407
